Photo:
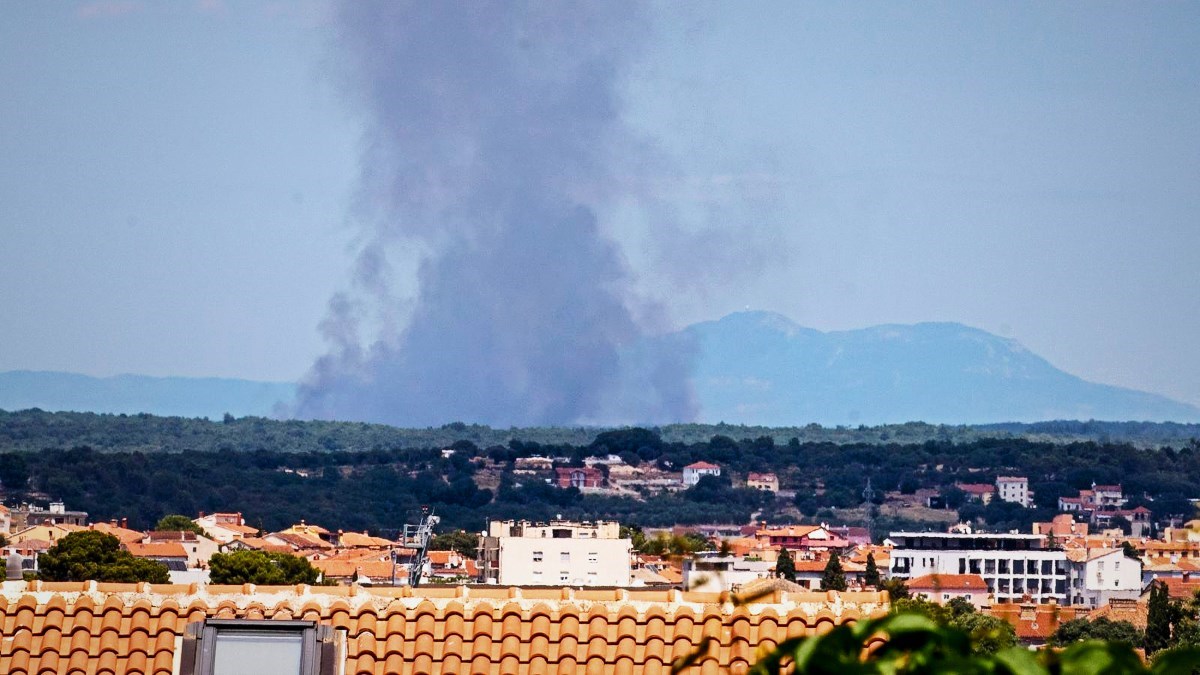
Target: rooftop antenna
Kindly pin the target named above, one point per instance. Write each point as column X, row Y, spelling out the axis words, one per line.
column 416, row 537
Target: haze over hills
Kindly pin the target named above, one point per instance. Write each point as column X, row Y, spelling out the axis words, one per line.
column 755, row 368
column 762, row 368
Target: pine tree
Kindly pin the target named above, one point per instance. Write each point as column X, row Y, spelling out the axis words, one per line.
column 871, row 574
column 834, row 578
column 785, row 567
column 1158, row 619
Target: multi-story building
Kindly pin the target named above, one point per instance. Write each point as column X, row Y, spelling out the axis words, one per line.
column 1013, row 566
column 29, row 515
column 1100, row 575
column 558, row 553
column 1013, row 489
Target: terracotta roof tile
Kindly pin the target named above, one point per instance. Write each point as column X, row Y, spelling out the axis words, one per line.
column 122, row 628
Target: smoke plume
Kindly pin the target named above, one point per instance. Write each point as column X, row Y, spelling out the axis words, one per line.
column 494, row 137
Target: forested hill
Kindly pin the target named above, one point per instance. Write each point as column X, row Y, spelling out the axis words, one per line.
column 380, row 489
column 31, row 430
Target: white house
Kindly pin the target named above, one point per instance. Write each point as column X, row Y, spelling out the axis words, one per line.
column 692, row 473
column 711, row 573
column 1101, row 575
column 558, row 553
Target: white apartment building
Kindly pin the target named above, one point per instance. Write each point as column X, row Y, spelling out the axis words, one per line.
column 1013, row 489
column 558, row 553
column 1101, row 575
column 1012, row 565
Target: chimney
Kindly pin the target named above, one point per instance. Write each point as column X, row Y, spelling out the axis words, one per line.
column 125, row 523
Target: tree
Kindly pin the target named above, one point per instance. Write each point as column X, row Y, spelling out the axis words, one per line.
column 871, row 573
column 910, row 643
column 834, row 579
column 96, row 556
column 896, row 589
column 1079, row 630
column 785, row 567
column 466, row 543
column 1130, row 551
column 178, row 523
column 1158, row 619
column 261, row 567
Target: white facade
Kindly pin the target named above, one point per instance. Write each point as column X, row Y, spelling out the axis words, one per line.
column 1103, row 576
column 692, row 473
column 1013, row 489
column 558, row 553
column 716, row 573
column 1012, row 565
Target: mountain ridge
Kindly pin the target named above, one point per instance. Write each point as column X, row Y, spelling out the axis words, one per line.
column 754, row 368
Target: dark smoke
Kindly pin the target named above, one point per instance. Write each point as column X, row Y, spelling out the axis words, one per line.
column 494, row 136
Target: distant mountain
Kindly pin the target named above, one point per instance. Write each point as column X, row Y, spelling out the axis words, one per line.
column 761, row 368
column 170, row 396
column 753, row 368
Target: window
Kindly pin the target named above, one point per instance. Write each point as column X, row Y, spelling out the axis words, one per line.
column 269, row 647
column 593, row 557
column 565, row 556
column 537, row 556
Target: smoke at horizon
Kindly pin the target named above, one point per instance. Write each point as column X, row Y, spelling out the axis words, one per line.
column 494, row 137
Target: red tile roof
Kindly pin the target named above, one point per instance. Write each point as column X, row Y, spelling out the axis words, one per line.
column 162, row 549
column 121, row 628
column 701, row 465
column 949, row 582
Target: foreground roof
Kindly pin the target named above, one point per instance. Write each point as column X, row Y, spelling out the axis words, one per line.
column 90, row 627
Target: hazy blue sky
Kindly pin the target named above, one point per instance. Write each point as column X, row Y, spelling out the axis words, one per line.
column 177, row 181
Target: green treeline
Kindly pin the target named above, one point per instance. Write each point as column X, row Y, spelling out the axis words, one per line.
column 259, row 470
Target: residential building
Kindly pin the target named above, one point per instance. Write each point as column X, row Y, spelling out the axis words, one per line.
column 1061, row 526
column 558, row 553
column 942, row 588
column 802, row 538
column 225, row 527
column 762, row 481
column 29, row 515
column 1035, row 622
column 142, row 628
column 1098, row 576
column 1013, row 489
column 713, row 573
column 692, row 473
column 1013, row 566
column 579, row 477
column 977, row 492
column 199, row 548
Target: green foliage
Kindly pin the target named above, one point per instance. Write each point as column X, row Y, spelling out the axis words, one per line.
column 834, row 578
column 987, row 634
column 896, row 589
column 1079, row 630
column 1158, row 618
column 277, row 472
column 97, row 556
column 871, row 576
column 178, row 523
column 785, row 567
column 911, row 643
column 466, row 543
column 262, row 568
